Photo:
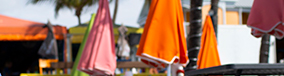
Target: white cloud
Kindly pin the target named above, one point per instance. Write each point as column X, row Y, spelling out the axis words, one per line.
column 128, row 12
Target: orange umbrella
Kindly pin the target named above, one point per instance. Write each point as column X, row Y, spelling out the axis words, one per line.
column 163, row 40
column 208, row 54
column 267, row 16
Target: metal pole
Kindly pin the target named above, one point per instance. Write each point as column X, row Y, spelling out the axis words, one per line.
column 240, row 16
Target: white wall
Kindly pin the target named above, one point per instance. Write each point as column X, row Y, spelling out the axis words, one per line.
column 237, row 45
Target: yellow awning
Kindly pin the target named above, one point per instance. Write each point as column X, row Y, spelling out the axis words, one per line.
column 79, row 31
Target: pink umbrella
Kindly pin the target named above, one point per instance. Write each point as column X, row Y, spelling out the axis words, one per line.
column 267, row 16
column 98, row 57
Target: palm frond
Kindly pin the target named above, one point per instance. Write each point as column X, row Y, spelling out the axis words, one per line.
column 92, row 2
column 35, row 1
column 59, row 5
column 78, row 5
column 110, row 1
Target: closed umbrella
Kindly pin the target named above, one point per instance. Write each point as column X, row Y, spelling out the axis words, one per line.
column 98, row 57
column 267, row 17
column 163, row 40
column 74, row 71
column 123, row 47
column 48, row 49
column 208, row 55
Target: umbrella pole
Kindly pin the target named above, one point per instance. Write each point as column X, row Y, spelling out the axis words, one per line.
column 169, row 70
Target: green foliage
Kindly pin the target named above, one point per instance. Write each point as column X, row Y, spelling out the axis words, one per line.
column 71, row 4
column 78, row 5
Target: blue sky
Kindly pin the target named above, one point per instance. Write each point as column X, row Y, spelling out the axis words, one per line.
column 128, row 12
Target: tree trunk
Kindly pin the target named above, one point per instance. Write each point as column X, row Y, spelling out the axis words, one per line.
column 115, row 12
column 78, row 14
column 194, row 36
column 79, row 20
column 264, row 49
column 214, row 15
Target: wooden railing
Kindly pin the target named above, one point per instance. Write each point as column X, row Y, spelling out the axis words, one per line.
column 125, row 65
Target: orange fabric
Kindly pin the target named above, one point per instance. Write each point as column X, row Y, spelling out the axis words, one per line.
column 13, row 29
column 163, row 41
column 208, row 54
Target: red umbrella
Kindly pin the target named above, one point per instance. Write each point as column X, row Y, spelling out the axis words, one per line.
column 98, row 57
column 267, row 16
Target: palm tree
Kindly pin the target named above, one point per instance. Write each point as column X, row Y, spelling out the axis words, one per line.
column 194, row 36
column 115, row 12
column 71, row 4
column 264, row 48
column 213, row 13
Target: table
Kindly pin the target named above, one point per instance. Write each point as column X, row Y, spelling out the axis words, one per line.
column 240, row 69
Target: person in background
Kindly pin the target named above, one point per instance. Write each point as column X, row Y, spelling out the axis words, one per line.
column 153, row 71
column 7, row 71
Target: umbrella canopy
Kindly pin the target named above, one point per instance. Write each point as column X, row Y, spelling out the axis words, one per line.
column 98, row 57
column 208, row 55
column 266, row 16
column 163, row 39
